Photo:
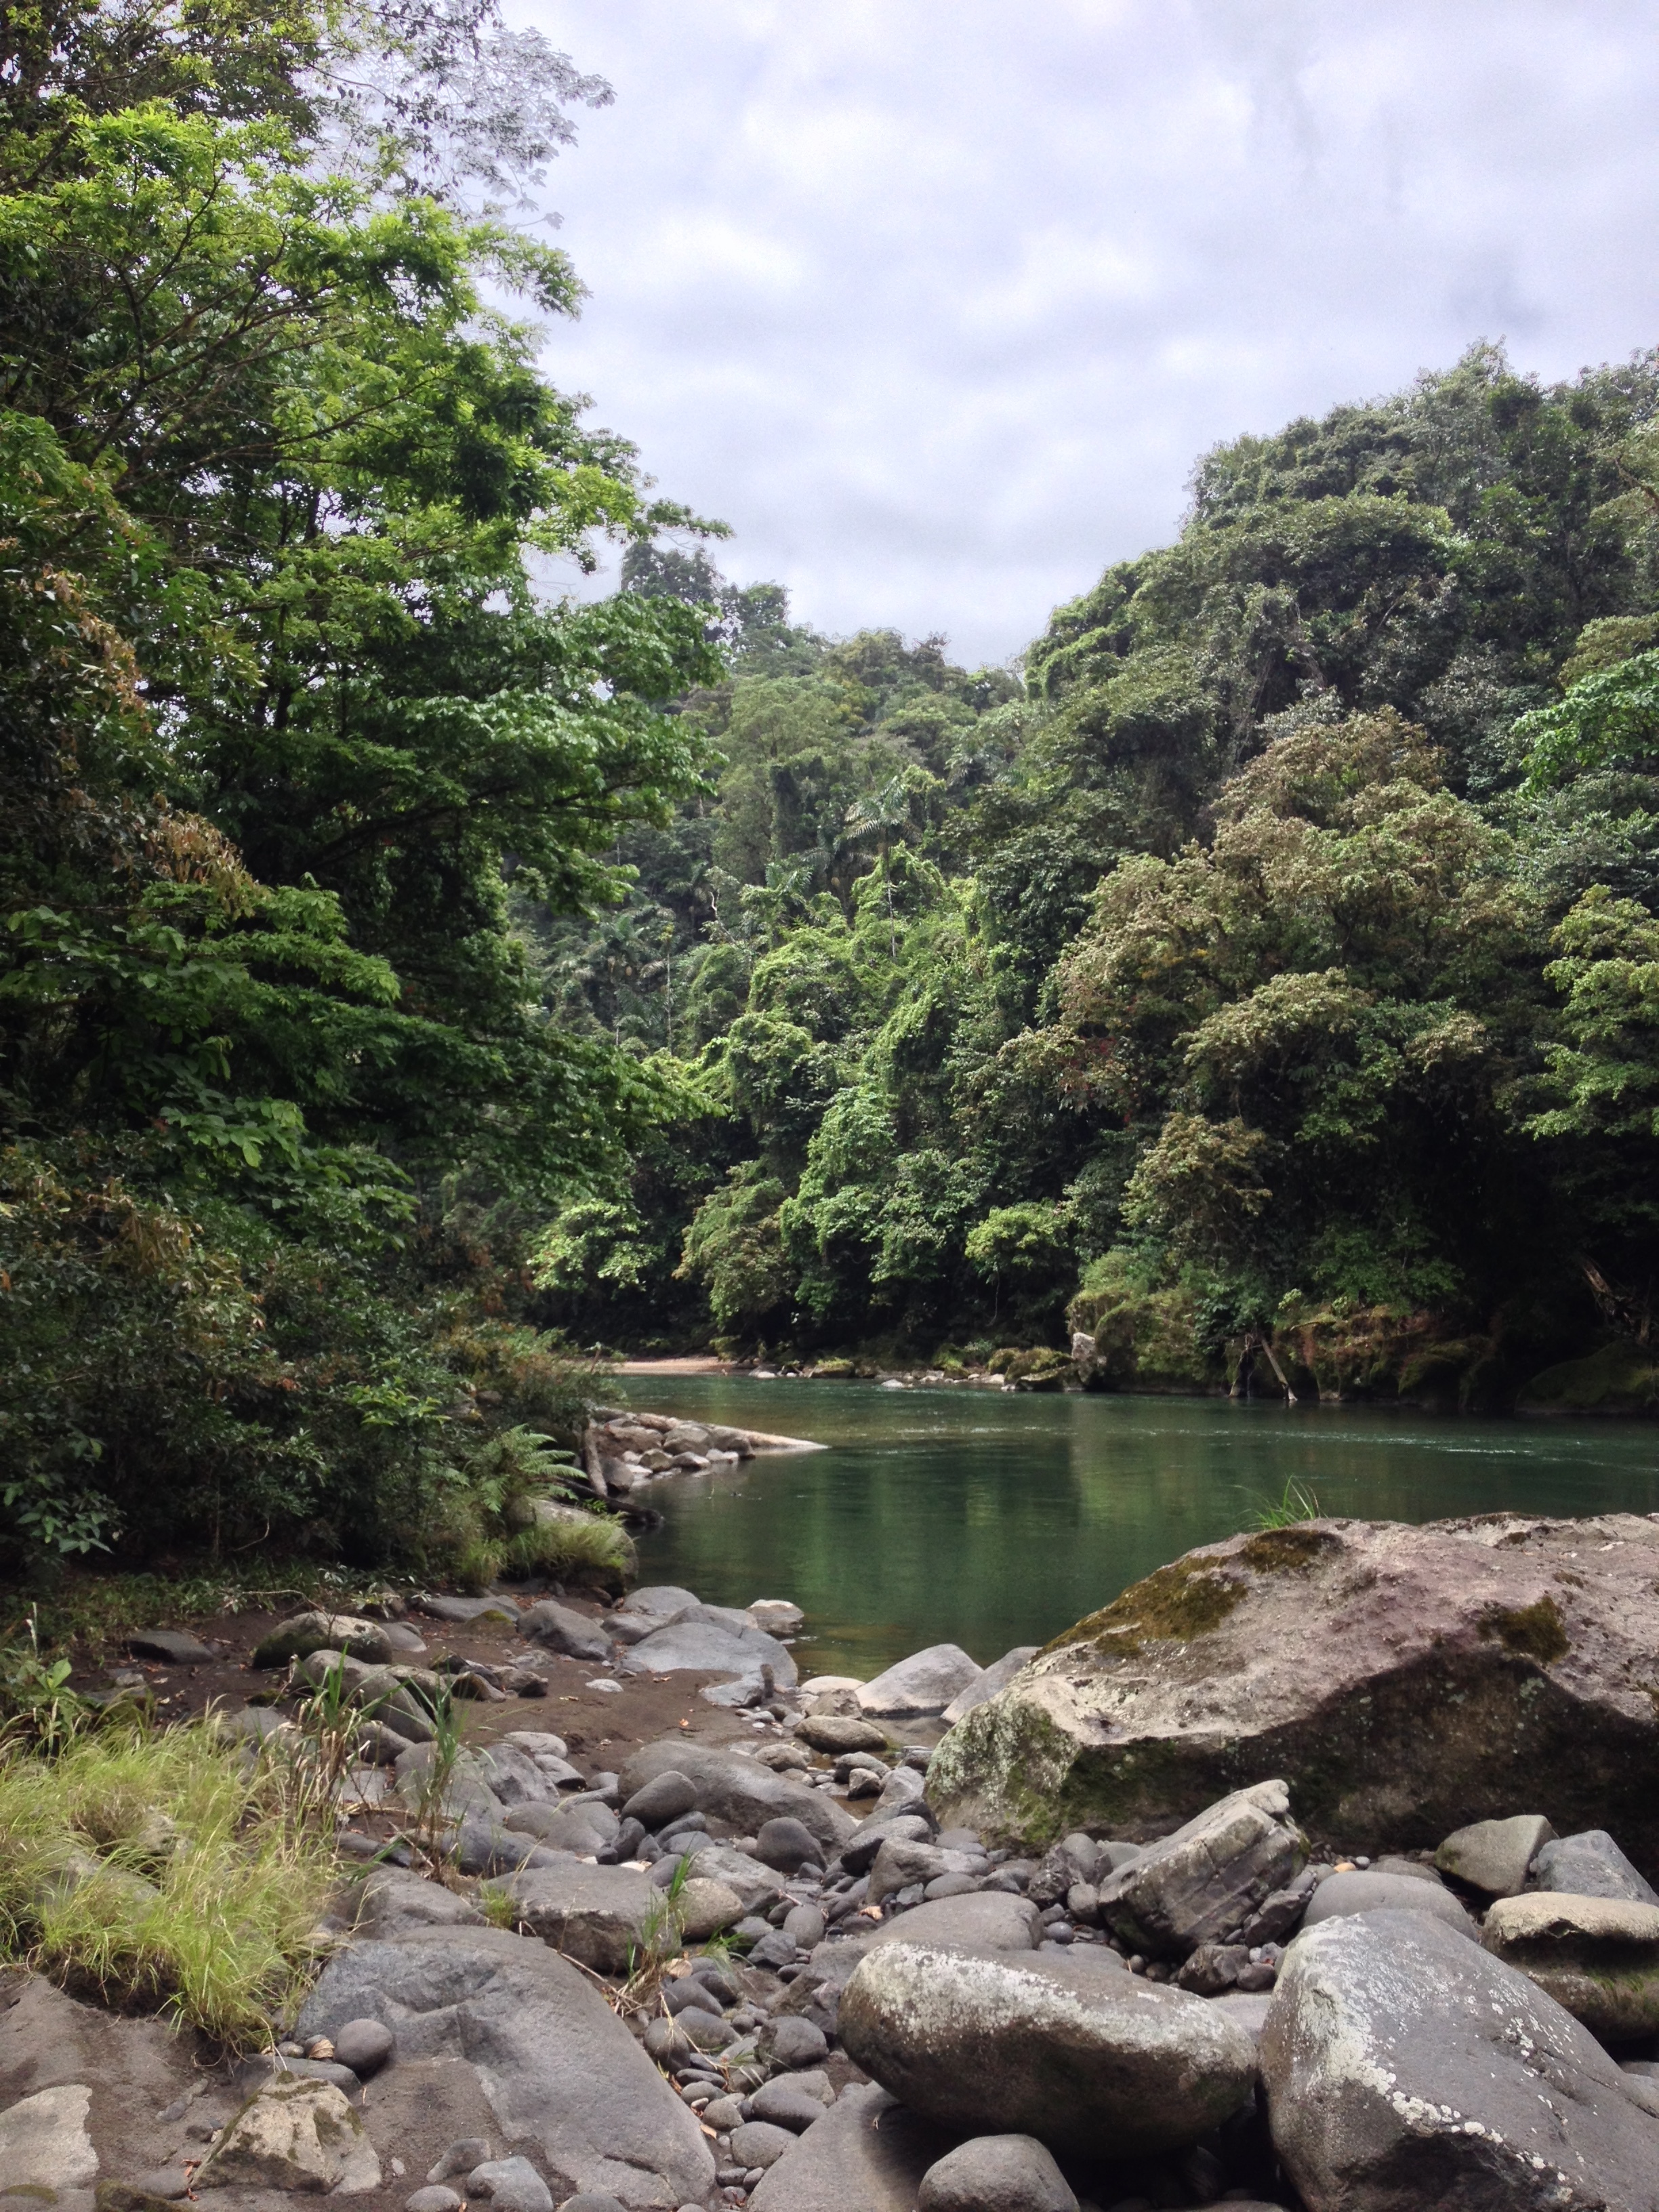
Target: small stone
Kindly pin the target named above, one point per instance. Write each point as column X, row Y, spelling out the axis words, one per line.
column 595, row 2200
column 758, row 2143
column 787, row 1845
column 803, row 1926
column 996, row 2174
column 460, row 2158
column 723, row 2114
column 435, row 2198
column 786, row 2105
column 835, row 1734
column 364, row 2045
column 513, row 2185
column 1493, row 1856
column 663, row 1799
column 796, row 2041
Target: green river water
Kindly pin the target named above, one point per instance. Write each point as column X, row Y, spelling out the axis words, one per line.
column 990, row 1520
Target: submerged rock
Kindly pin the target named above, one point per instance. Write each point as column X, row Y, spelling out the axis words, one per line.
column 1404, row 1681
column 1405, row 2067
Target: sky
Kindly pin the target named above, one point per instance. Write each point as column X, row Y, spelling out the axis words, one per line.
column 936, row 302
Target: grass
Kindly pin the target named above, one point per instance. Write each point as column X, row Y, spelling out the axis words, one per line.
column 578, row 1546
column 1293, row 1503
column 162, row 1870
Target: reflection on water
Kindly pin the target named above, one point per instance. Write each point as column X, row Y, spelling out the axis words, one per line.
column 991, row 1521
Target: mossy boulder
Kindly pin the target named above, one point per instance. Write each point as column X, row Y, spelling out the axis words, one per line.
column 1406, row 1681
column 1620, row 1378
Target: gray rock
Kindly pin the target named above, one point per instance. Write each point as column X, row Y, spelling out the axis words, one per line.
column 484, row 1846
column 584, row 1829
column 739, row 1790
column 992, row 1920
column 996, row 2174
column 1058, row 2046
column 561, row 2071
column 986, row 1684
column 176, row 1646
column 787, row 1843
column 593, row 2200
column 1493, row 1856
column 44, row 2142
column 293, row 2135
column 867, row 2154
column 758, row 2142
column 803, row 1925
column 435, row 2198
column 460, row 2158
column 785, row 2106
column 920, row 1686
column 1208, row 1877
column 513, row 2184
column 559, row 1628
column 1597, row 1956
column 711, row 1649
column 898, row 1864
column 592, row 1913
column 306, row 1632
column 467, row 1788
column 659, row 1603
column 462, row 1612
column 793, row 2041
column 837, row 1733
column 1589, row 1865
column 757, row 1885
column 394, row 1902
column 857, row 1853
column 364, row 2045
column 1404, row 2066
column 1342, row 1894
column 663, row 1799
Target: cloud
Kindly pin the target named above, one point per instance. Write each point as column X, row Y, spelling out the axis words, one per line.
column 936, row 305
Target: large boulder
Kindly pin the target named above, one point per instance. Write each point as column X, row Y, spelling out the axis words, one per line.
column 710, row 1647
column 1404, row 1681
column 738, row 1790
column 985, row 1920
column 1590, row 1865
column 1340, row 1895
column 1209, row 1877
column 1075, row 2050
column 560, row 2069
column 1407, row 2066
column 867, row 2154
column 985, row 1685
column 1597, row 1956
column 297, row 1638
column 920, row 1686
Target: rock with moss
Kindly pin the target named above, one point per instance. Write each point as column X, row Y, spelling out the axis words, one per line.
column 1405, row 1681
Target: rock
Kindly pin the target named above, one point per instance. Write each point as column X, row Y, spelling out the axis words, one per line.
column 835, row 1734
column 44, row 2142
column 803, row 1926
column 364, row 2045
column 785, row 2106
column 560, row 1629
column 1404, row 1680
column 899, row 1863
column 787, row 1844
column 435, row 2198
column 592, row 1913
column 777, row 1616
column 1589, row 1865
column 996, row 2174
column 660, row 1603
column 711, row 1649
column 484, row 1846
column 1404, row 2067
column 986, row 1684
column 758, row 2142
column 739, row 1790
column 757, row 1886
column 1340, row 1895
column 176, row 1646
column 867, row 2154
column 562, row 2072
column 903, row 1791
column 1208, row 1877
column 462, row 1612
column 664, row 1798
column 991, row 1920
column 920, row 1686
column 323, row 1632
column 396, row 1903
column 1212, row 1968
column 858, row 1852
column 793, row 2041
column 1061, row 2047
column 1493, row 1856
column 511, row 2183
column 705, row 1909
column 460, row 2158
column 1596, row 1956
column 595, row 2200
column 295, row 2135
column 579, row 1828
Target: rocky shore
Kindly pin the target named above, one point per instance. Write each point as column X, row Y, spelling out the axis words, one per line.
column 1312, row 1872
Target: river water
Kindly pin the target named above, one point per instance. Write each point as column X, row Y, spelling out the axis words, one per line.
column 990, row 1520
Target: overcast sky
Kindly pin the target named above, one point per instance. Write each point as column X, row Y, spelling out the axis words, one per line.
column 936, row 302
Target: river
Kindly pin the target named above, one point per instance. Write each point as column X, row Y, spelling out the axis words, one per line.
column 989, row 1520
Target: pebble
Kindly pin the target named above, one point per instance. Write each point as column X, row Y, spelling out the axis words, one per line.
column 796, row 2041
column 364, row 2045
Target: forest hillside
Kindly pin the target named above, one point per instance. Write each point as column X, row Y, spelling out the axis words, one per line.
column 413, row 976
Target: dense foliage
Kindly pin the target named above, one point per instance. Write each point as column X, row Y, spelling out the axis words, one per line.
column 1273, row 968
column 285, row 729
